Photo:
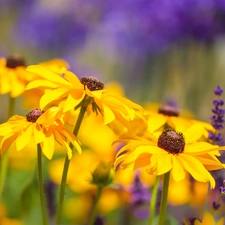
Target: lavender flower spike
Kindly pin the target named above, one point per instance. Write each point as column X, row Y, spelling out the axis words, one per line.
column 217, row 119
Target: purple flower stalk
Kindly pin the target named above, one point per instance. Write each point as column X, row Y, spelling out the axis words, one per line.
column 140, row 196
column 217, row 118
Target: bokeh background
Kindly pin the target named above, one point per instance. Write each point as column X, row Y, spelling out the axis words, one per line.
column 157, row 50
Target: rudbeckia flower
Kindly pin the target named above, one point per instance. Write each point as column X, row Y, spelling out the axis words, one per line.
column 31, row 98
column 13, row 76
column 75, row 91
column 37, row 127
column 172, row 151
column 169, row 116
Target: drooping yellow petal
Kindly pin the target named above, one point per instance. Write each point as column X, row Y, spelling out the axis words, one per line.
column 193, row 133
column 160, row 163
column 7, row 141
column 142, row 160
column 53, row 95
column 40, row 83
column 177, row 171
column 48, row 143
column 108, row 114
column 196, row 169
column 24, row 137
column 38, row 134
column 72, row 101
column 70, row 136
column 210, row 162
column 61, row 140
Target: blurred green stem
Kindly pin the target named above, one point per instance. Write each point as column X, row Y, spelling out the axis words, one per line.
column 95, row 208
column 41, row 188
column 83, row 109
column 162, row 213
column 4, row 160
column 153, row 200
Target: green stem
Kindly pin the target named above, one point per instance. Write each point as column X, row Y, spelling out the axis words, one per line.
column 95, row 208
column 153, row 200
column 83, row 109
column 40, row 184
column 11, row 107
column 4, row 160
column 162, row 213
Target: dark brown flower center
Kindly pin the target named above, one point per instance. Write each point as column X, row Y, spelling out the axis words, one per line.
column 33, row 115
column 92, row 83
column 171, row 141
column 168, row 111
column 14, row 61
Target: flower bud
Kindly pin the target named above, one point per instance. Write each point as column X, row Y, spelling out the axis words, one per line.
column 103, row 174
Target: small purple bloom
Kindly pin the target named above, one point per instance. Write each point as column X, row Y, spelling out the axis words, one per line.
column 140, row 197
column 218, row 91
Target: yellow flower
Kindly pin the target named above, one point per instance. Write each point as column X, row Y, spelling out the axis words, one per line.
column 172, row 151
column 13, row 76
column 209, row 220
column 37, row 127
column 31, row 98
column 169, row 116
column 73, row 90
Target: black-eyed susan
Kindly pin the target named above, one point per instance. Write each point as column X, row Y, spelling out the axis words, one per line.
column 172, row 151
column 13, row 76
column 75, row 92
column 38, row 127
column 169, row 116
column 31, row 98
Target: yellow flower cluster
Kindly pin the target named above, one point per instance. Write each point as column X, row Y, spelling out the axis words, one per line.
column 154, row 143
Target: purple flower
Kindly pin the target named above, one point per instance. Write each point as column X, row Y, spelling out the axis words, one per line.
column 140, row 197
column 217, row 119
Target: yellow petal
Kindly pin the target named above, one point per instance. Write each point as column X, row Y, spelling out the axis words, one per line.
column 196, row 169
column 72, row 101
column 7, row 141
column 193, row 133
column 221, row 221
column 40, row 83
column 177, row 171
column 73, row 79
column 48, row 74
column 161, row 163
column 24, row 137
column 155, row 122
column 61, row 140
column 208, row 219
column 142, row 160
column 53, row 95
column 108, row 114
column 70, row 136
column 200, row 148
column 38, row 134
column 48, row 143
